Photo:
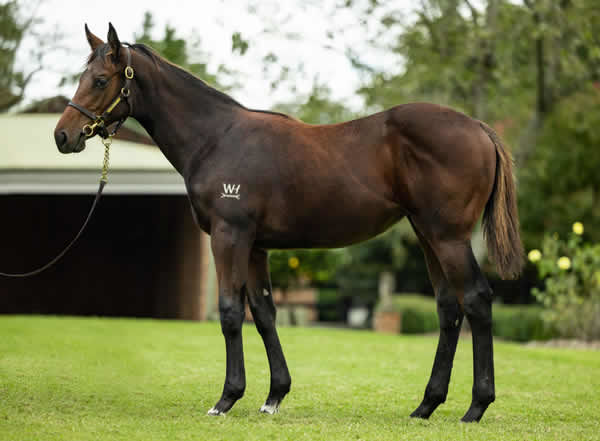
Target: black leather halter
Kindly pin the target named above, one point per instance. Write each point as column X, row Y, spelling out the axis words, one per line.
column 99, row 121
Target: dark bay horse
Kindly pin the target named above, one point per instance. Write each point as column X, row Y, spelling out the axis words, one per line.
column 259, row 180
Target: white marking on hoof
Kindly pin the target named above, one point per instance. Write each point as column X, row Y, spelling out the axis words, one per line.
column 265, row 292
column 215, row 412
column 271, row 409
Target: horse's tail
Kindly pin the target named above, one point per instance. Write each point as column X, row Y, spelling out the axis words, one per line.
column 501, row 217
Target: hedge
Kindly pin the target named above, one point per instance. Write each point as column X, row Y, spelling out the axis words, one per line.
column 419, row 313
column 328, row 305
column 518, row 323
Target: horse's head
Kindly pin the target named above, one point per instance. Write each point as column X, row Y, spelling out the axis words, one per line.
column 99, row 87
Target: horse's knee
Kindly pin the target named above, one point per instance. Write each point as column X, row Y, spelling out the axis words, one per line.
column 449, row 313
column 231, row 315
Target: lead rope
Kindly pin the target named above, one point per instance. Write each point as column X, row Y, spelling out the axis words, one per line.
column 103, row 181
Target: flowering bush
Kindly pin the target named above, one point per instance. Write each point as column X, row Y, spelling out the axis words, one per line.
column 571, row 272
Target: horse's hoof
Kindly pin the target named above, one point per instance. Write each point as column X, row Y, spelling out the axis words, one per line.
column 215, row 412
column 422, row 411
column 472, row 416
column 271, row 409
column 416, row 414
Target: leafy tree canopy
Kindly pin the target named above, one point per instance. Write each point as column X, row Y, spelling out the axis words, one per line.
column 18, row 20
column 178, row 51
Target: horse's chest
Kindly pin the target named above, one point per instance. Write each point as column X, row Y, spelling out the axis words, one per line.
column 224, row 200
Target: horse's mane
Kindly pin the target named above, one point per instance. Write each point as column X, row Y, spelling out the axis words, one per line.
column 190, row 78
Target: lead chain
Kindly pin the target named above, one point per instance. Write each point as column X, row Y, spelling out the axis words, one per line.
column 107, row 142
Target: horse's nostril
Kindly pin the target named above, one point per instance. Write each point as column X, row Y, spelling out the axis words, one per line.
column 60, row 137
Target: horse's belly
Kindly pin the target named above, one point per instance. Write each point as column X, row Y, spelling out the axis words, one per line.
column 328, row 225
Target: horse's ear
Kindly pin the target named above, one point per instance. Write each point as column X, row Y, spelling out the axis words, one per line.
column 92, row 39
column 113, row 41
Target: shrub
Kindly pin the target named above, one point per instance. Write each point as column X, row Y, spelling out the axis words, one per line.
column 518, row 323
column 571, row 272
column 328, row 305
column 419, row 313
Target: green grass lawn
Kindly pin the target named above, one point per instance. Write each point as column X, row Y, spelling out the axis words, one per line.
column 105, row 379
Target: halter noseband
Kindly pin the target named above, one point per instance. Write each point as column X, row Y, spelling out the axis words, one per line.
column 99, row 121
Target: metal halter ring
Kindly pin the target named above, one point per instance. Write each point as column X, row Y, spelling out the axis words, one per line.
column 125, row 91
column 129, row 72
column 88, row 130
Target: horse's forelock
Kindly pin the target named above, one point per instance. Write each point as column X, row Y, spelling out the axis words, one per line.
column 100, row 52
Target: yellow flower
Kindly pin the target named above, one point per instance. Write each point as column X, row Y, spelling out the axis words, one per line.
column 534, row 255
column 293, row 262
column 578, row 228
column 564, row 263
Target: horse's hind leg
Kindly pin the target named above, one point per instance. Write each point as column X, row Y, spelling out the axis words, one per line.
column 477, row 305
column 260, row 299
column 450, row 317
column 470, row 288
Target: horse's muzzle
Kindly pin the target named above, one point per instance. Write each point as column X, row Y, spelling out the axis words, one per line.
column 64, row 146
column 60, row 137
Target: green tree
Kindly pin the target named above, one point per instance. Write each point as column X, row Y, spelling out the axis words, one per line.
column 178, row 51
column 561, row 184
column 291, row 268
column 18, row 20
column 455, row 54
column 317, row 107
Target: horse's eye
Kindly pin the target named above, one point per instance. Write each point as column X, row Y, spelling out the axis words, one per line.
column 100, row 83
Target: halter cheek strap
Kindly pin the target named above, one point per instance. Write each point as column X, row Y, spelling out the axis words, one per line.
column 98, row 124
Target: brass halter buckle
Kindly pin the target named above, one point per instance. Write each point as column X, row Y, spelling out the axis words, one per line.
column 88, row 130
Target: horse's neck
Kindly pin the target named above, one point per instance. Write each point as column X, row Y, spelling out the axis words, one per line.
column 181, row 118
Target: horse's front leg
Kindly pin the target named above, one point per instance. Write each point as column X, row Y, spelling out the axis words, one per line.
column 231, row 250
column 260, row 298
